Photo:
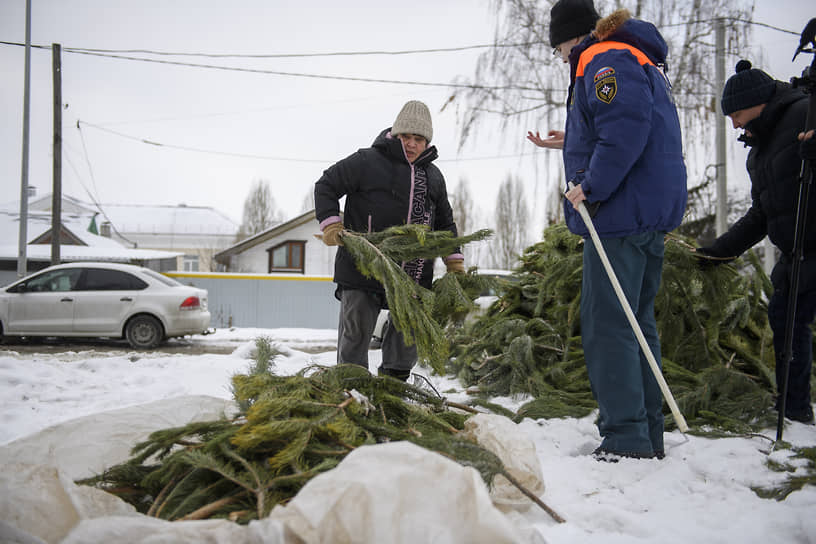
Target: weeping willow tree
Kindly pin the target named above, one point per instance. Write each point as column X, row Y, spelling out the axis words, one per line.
column 716, row 344
column 519, row 85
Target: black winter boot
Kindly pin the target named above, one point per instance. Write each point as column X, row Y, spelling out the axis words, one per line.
column 398, row 374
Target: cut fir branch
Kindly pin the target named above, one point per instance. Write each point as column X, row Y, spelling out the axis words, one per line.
column 379, row 255
column 715, row 339
column 270, row 453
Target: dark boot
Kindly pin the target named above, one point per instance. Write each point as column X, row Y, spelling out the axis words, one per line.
column 398, row 374
column 608, row 456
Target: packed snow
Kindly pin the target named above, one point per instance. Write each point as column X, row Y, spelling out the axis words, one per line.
column 701, row 492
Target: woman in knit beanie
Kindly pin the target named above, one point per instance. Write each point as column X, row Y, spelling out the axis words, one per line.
column 393, row 182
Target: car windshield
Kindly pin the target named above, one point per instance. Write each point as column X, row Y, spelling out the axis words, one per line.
column 170, row 282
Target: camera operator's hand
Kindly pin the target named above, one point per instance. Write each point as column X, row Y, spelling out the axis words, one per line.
column 807, row 146
column 708, row 258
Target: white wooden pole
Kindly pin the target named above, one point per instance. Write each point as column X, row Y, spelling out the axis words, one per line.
column 721, row 216
column 22, row 260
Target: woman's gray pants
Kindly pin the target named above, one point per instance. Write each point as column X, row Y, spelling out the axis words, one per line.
column 358, row 316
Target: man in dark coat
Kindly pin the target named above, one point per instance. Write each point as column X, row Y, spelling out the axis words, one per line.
column 772, row 115
column 393, row 182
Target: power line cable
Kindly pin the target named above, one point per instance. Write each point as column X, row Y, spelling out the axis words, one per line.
column 299, row 55
column 266, row 157
column 108, row 54
column 733, row 20
column 92, row 52
column 94, row 200
column 198, row 150
column 311, row 104
column 316, row 76
column 89, row 50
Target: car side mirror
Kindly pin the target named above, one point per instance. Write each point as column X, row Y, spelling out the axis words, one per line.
column 19, row 288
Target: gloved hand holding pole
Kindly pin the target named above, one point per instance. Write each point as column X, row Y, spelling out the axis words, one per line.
column 664, row 388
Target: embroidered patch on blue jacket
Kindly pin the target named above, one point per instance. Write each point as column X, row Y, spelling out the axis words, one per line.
column 606, row 71
column 606, row 89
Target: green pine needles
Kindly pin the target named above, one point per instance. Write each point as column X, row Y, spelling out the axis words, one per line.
column 716, row 343
column 415, row 311
column 291, row 429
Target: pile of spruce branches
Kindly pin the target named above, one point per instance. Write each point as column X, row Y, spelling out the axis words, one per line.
column 717, row 350
column 288, row 429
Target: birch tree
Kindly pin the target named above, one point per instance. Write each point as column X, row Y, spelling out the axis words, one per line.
column 512, row 217
column 260, row 211
column 464, row 211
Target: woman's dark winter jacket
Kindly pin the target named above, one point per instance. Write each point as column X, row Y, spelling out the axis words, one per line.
column 622, row 142
column 773, row 164
column 383, row 189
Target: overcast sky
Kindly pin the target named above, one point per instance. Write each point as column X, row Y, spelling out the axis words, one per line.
column 212, row 114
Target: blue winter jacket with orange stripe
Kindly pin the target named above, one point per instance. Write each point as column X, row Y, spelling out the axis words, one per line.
column 622, row 141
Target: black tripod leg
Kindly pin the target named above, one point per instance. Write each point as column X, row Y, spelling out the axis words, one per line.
column 805, row 182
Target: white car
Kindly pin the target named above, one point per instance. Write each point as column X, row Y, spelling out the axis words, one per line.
column 103, row 300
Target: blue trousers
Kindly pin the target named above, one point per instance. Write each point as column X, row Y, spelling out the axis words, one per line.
column 629, row 398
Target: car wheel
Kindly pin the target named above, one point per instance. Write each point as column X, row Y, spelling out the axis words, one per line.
column 144, row 332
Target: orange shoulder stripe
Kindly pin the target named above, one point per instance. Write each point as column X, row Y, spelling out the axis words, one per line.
column 603, row 47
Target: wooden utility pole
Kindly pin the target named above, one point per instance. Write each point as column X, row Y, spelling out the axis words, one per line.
column 721, row 222
column 56, row 193
column 22, row 265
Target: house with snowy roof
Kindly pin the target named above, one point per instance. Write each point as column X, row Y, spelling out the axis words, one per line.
column 196, row 233
column 77, row 243
column 289, row 248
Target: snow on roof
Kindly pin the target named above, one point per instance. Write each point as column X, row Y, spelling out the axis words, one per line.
column 182, row 219
column 271, row 232
column 40, row 222
column 42, row 252
column 97, row 248
column 148, row 218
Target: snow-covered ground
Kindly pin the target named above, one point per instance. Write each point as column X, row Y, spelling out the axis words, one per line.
column 701, row 492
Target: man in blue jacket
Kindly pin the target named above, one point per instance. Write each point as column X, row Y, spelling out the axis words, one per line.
column 393, row 182
column 623, row 153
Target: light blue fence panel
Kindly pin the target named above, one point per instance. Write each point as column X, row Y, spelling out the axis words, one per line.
column 266, row 300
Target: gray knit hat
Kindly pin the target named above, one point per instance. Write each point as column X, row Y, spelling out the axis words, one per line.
column 414, row 118
column 747, row 88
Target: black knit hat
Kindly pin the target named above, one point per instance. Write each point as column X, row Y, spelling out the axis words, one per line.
column 747, row 88
column 570, row 19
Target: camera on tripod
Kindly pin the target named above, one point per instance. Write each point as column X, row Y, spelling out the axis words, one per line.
column 807, row 44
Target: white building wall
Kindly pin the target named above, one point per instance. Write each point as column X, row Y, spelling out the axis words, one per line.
column 318, row 258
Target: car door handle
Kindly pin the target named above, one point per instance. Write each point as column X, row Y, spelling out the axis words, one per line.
column 126, row 299
column 66, row 299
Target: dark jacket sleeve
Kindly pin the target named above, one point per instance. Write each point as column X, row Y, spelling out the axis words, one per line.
column 444, row 212
column 744, row 234
column 337, row 181
column 443, row 219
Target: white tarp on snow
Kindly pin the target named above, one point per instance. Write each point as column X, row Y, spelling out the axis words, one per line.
column 397, row 492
